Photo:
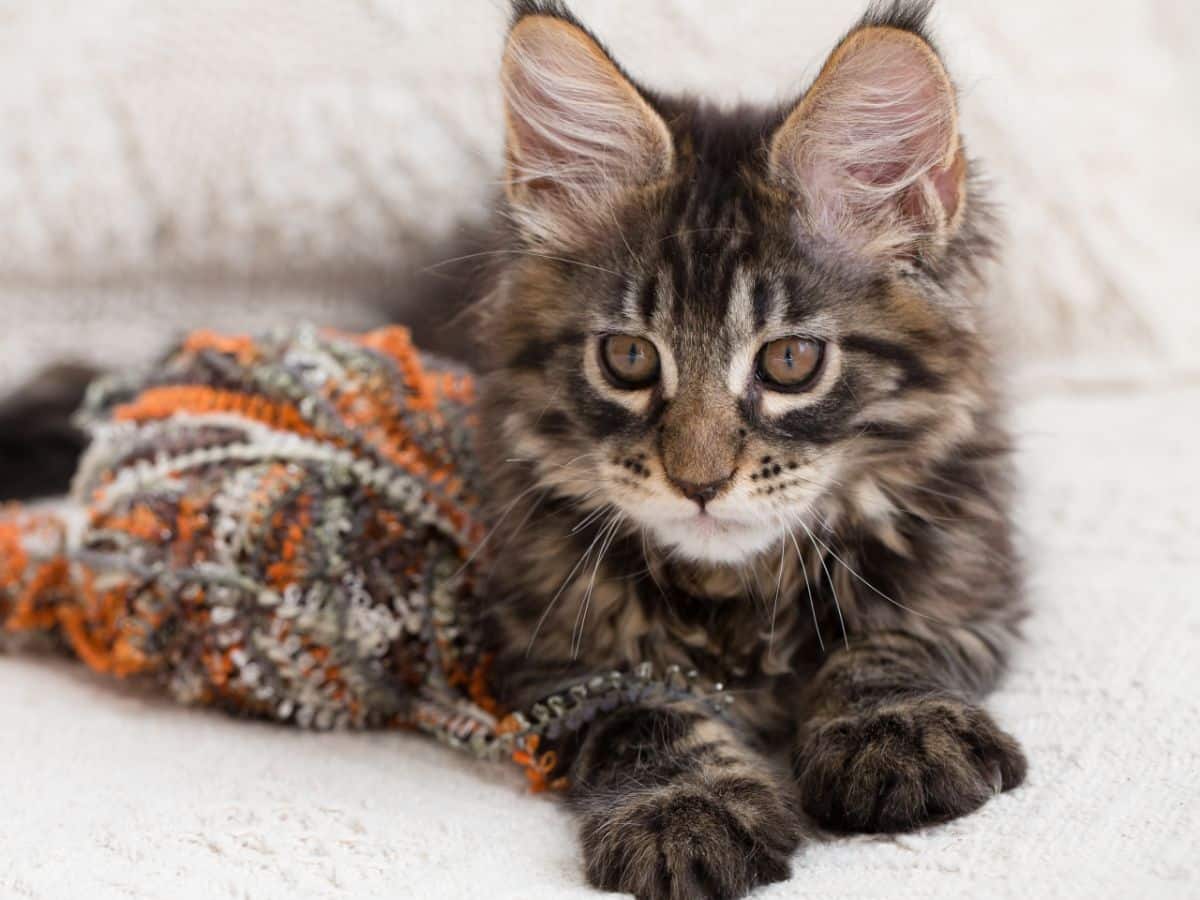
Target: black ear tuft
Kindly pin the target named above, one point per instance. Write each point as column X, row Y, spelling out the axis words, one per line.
column 907, row 15
column 555, row 8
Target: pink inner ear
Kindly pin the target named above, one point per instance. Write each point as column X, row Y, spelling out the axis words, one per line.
column 541, row 151
column 579, row 131
column 886, row 116
column 874, row 148
column 880, row 175
column 552, row 93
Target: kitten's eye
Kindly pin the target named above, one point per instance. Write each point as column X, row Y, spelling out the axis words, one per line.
column 631, row 363
column 791, row 364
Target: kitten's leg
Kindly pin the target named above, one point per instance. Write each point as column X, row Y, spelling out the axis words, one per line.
column 673, row 804
column 891, row 740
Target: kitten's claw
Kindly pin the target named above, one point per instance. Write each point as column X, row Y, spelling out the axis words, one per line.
column 904, row 764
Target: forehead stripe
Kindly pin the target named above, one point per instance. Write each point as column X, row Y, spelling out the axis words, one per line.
column 798, row 303
column 761, row 300
column 649, row 299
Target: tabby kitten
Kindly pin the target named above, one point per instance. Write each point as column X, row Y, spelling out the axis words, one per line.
column 739, row 409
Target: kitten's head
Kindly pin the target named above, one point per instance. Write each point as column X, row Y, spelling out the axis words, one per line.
column 726, row 325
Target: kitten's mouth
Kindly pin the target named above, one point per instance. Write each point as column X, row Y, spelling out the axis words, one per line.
column 713, row 538
column 707, row 524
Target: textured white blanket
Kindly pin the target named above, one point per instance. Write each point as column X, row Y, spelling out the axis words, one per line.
column 230, row 164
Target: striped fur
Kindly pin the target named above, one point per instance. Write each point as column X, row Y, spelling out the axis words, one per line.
column 853, row 578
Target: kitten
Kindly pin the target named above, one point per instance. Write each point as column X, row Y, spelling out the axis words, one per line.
column 740, row 417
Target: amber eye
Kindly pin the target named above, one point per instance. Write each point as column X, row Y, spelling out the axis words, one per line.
column 631, row 363
column 791, row 364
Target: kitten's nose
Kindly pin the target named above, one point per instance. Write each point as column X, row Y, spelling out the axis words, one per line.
column 701, row 493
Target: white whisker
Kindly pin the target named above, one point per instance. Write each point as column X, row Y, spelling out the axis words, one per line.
column 562, row 587
column 812, row 603
column 832, row 587
column 487, row 537
column 778, row 589
column 610, row 529
column 872, row 587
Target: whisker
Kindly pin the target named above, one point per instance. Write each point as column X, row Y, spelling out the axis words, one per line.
column 610, row 529
column 516, row 252
column 530, row 461
column 553, row 600
column 872, row 587
column 650, row 565
column 449, row 261
column 832, row 587
column 778, row 589
column 533, row 507
column 812, row 603
column 487, row 537
column 590, row 518
column 621, row 231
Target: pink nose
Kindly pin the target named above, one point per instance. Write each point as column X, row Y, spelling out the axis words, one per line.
column 701, row 493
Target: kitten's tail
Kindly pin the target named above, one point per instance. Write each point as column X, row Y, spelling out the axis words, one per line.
column 40, row 445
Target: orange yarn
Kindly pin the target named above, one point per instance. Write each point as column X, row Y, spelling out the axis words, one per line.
column 164, row 402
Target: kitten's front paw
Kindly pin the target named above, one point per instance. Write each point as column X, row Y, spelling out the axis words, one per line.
column 904, row 764
column 691, row 841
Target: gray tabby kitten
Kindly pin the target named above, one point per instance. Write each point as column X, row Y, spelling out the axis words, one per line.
column 740, row 414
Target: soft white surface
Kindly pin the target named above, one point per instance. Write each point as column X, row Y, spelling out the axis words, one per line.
column 227, row 163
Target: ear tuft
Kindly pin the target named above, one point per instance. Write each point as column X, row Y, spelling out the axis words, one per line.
column 906, row 15
column 580, row 134
column 872, row 152
column 554, row 8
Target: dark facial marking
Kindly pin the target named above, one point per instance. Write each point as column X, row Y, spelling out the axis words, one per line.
column 917, row 376
column 553, row 423
column 761, row 298
column 536, row 354
column 824, row 422
column 649, row 298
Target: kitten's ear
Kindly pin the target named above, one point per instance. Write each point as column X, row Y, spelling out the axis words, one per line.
column 580, row 135
column 872, row 153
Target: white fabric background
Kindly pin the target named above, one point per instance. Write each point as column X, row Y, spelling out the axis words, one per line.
column 232, row 164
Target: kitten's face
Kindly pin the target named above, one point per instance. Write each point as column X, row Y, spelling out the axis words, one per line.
column 714, row 401
column 712, row 382
column 683, row 349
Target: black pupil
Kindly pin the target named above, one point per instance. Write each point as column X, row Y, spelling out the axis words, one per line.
column 634, row 354
column 788, row 357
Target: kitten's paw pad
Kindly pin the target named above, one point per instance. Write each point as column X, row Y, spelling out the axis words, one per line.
column 692, row 842
column 905, row 764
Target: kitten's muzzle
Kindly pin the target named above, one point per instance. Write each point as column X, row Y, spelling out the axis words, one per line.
column 700, row 442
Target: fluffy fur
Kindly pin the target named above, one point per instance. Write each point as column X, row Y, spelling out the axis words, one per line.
column 849, row 572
